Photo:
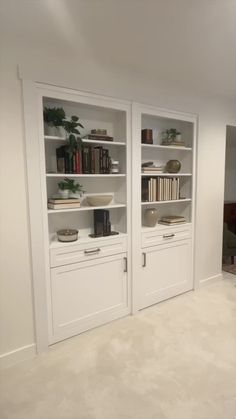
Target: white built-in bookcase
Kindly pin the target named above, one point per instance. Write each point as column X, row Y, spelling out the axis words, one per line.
column 149, row 289
column 87, row 283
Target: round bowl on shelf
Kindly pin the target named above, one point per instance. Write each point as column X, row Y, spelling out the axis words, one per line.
column 99, row 200
column 67, row 235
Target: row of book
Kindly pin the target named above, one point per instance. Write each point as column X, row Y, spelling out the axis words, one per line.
column 160, row 189
column 89, row 160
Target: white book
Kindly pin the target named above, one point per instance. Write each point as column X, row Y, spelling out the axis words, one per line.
column 154, row 189
column 151, row 189
column 165, row 189
column 172, row 188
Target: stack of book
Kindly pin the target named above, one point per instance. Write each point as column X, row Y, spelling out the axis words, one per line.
column 175, row 143
column 89, row 160
column 150, row 167
column 98, row 135
column 172, row 220
column 160, row 189
column 58, row 203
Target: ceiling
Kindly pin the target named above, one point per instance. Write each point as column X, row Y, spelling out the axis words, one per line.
column 191, row 42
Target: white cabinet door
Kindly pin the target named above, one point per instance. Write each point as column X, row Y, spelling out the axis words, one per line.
column 166, row 272
column 87, row 294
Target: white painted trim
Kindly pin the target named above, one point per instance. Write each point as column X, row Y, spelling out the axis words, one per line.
column 21, row 354
column 210, row 280
column 35, row 211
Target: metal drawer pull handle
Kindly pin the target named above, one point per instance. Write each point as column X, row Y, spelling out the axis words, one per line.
column 126, row 265
column 144, row 260
column 92, row 251
column 168, row 236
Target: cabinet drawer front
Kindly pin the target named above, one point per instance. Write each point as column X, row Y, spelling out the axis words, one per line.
column 83, row 252
column 170, row 234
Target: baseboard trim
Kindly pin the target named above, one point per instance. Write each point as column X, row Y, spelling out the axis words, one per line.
column 21, row 354
column 211, row 280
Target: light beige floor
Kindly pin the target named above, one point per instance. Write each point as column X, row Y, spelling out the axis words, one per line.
column 176, row 360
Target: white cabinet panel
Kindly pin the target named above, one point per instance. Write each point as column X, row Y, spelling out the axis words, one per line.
column 166, row 272
column 81, row 252
column 87, row 294
column 169, row 234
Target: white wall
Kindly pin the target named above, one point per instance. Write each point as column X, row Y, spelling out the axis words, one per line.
column 49, row 59
column 230, row 165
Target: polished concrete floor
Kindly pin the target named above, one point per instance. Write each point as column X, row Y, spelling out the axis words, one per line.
column 176, row 360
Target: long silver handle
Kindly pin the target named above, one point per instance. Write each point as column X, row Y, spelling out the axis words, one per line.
column 168, row 236
column 92, row 252
column 126, row 264
column 144, row 260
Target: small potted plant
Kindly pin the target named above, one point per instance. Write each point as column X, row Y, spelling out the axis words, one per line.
column 71, row 128
column 69, row 189
column 171, row 135
column 53, row 121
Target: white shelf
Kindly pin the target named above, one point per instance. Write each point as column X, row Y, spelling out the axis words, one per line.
column 164, row 226
column 82, row 239
column 166, row 202
column 116, row 143
column 167, row 147
column 166, row 174
column 113, row 143
column 86, row 208
column 74, row 175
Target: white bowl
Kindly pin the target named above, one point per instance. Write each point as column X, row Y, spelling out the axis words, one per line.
column 99, row 200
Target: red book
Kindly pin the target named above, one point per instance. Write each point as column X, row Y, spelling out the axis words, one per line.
column 74, row 162
column 78, row 161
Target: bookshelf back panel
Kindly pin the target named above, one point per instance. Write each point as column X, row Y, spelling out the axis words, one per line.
column 93, row 117
column 84, row 220
column 178, row 208
column 161, row 157
column 115, row 152
column 185, row 186
column 114, row 186
column 160, row 124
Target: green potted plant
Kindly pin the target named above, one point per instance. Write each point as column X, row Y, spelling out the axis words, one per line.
column 69, row 189
column 53, row 121
column 71, row 128
column 171, row 135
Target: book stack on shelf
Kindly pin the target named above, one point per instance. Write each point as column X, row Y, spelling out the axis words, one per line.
column 150, row 167
column 98, row 135
column 58, row 203
column 172, row 220
column 160, row 189
column 89, row 160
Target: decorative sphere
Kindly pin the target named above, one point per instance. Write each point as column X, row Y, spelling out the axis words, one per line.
column 173, row 166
